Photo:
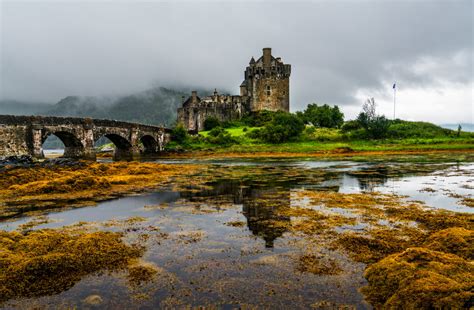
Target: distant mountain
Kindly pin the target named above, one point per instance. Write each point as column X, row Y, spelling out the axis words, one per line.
column 464, row 126
column 14, row 107
column 156, row 106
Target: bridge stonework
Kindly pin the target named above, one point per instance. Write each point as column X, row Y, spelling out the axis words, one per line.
column 25, row 135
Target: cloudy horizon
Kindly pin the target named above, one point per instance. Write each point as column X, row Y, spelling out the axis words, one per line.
column 341, row 52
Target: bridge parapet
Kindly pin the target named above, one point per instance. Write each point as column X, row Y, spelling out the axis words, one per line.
column 20, row 135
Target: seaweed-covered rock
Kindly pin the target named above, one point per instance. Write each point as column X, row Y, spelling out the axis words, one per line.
column 454, row 240
column 21, row 160
column 62, row 162
column 48, row 261
column 419, row 278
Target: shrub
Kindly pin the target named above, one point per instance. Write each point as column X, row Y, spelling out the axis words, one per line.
column 259, row 118
column 180, row 134
column 350, row 126
column 282, row 128
column 211, row 122
column 375, row 125
column 254, row 134
column 322, row 116
column 323, row 134
column 220, row 136
column 379, row 127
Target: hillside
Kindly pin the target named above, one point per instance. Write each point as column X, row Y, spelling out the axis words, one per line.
column 14, row 107
column 156, row 106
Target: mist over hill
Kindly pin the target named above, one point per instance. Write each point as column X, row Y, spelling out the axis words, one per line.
column 156, row 106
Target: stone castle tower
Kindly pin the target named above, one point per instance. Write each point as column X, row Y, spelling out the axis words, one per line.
column 267, row 83
column 266, row 86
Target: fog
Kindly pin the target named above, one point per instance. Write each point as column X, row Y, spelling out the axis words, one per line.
column 341, row 52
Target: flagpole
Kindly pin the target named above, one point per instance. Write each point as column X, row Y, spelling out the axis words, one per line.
column 394, row 96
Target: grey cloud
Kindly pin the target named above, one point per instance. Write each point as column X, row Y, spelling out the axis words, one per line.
column 50, row 49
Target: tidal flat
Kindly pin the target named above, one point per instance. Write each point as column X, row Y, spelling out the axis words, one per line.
column 356, row 232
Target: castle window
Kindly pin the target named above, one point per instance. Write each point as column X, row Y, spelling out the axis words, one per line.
column 269, row 90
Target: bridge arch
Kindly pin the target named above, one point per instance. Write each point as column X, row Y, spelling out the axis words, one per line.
column 73, row 147
column 120, row 142
column 21, row 135
column 150, row 145
column 123, row 147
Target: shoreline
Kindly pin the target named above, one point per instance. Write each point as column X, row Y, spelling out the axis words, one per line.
column 316, row 154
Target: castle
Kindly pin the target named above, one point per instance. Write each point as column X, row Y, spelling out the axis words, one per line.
column 266, row 86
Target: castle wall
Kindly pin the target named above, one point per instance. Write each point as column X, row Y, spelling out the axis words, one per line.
column 266, row 86
column 194, row 116
column 279, row 98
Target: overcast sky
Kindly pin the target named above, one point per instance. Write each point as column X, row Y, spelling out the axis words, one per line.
column 341, row 52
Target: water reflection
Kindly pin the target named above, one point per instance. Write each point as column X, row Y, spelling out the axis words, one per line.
column 261, row 205
column 263, row 209
column 224, row 261
column 264, row 196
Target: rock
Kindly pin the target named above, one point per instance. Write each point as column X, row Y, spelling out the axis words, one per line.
column 93, row 300
column 62, row 162
column 22, row 160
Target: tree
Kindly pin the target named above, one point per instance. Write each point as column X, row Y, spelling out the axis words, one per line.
column 375, row 125
column 283, row 127
column 322, row 116
column 258, row 118
column 180, row 134
column 211, row 122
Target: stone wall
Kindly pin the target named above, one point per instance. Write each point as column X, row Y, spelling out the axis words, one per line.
column 14, row 140
column 192, row 114
column 279, row 98
column 21, row 135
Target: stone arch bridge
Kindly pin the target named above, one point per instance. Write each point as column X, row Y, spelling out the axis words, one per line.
column 22, row 135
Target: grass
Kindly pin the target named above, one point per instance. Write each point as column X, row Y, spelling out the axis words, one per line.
column 333, row 140
column 237, row 132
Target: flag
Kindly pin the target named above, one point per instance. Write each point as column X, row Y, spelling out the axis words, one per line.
column 394, row 85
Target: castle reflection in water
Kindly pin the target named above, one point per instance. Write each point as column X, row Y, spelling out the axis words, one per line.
column 264, row 200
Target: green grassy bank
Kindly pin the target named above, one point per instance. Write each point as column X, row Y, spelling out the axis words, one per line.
column 329, row 140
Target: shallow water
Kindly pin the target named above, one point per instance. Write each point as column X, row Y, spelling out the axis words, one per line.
column 205, row 260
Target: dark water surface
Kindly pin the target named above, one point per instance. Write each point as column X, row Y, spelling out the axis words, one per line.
column 227, row 245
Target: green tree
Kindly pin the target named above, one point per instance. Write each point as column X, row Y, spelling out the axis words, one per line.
column 322, row 116
column 283, row 127
column 375, row 125
column 211, row 122
column 179, row 134
column 258, row 118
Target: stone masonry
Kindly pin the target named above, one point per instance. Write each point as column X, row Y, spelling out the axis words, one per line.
column 266, row 87
column 25, row 135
